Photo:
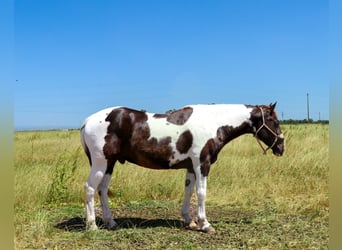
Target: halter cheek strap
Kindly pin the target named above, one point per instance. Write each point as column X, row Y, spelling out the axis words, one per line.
column 268, row 128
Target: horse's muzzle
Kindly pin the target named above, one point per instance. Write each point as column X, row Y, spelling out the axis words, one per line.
column 279, row 148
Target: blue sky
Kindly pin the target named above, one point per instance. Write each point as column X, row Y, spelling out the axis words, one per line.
column 75, row 57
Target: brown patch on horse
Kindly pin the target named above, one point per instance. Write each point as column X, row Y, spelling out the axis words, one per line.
column 214, row 145
column 152, row 154
column 177, row 117
column 186, row 163
column 160, row 115
column 208, row 155
column 184, row 142
column 121, row 126
column 128, row 138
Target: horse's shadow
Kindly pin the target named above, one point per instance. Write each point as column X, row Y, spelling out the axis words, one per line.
column 79, row 224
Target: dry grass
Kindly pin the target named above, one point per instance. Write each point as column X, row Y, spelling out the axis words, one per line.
column 289, row 191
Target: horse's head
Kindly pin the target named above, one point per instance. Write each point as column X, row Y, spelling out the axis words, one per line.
column 266, row 128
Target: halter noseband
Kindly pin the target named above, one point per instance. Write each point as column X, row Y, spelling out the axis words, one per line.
column 268, row 128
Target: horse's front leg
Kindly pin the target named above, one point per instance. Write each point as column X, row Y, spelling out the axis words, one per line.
column 189, row 190
column 201, row 189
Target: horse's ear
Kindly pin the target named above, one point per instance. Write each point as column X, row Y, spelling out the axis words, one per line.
column 273, row 106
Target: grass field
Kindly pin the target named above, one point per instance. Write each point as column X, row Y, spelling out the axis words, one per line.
column 253, row 201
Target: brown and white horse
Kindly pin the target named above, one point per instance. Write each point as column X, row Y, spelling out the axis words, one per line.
column 188, row 138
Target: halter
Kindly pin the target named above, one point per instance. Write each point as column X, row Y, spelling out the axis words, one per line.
column 268, row 128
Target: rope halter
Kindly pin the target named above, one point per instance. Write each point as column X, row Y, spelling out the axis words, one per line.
column 270, row 130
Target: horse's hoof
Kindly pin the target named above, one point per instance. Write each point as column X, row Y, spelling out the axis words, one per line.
column 112, row 225
column 192, row 226
column 209, row 229
column 92, row 227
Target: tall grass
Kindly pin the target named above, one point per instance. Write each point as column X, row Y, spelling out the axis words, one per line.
column 296, row 182
column 47, row 168
column 51, row 168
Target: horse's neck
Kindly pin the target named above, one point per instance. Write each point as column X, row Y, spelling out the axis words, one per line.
column 226, row 134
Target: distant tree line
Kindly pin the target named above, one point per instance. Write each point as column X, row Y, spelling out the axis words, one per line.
column 310, row 121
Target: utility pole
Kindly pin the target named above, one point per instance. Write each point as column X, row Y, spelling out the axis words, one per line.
column 308, row 106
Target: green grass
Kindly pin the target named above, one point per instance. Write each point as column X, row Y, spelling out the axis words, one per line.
column 253, row 200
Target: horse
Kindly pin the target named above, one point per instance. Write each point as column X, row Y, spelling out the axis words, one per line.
column 188, row 138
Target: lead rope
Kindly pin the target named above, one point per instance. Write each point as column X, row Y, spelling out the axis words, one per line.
column 264, row 125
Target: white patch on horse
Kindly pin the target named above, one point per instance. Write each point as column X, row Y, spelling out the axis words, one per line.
column 160, row 127
column 96, row 130
column 206, row 119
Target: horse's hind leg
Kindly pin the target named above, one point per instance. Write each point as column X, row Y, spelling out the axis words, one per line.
column 96, row 176
column 103, row 193
column 189, row 189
